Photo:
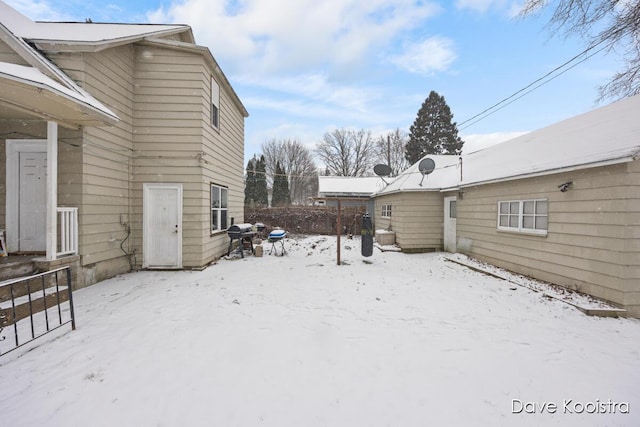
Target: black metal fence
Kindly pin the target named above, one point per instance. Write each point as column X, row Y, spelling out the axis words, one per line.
column 33, row 306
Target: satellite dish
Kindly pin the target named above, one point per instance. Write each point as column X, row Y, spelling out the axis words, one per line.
column 426, row 166
column 382, row 170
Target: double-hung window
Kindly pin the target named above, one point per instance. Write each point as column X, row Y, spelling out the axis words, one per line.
column 215, row 104
column 218, row 207
column 524, row 216
column 386, row 211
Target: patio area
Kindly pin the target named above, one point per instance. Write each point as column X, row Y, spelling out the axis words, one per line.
column 391, row 340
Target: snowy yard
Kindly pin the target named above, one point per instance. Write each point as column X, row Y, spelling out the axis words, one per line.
column 390, row 340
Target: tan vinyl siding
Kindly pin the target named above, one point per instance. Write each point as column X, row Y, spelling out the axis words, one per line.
column 102, row 160
column 175, row 143
column 224, row 163
column 587, row 243
column 9, row 55
column 168, row 135
column 631, row 249
column 416, row 219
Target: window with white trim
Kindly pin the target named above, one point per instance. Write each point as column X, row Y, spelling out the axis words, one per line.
column 524, row 216
column 215, row 104
column 219, row 207
column 386, row 211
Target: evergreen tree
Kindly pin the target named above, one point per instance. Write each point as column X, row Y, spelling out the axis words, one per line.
column 280, row 195
column 433, row 131
column 250, row 183
column 261, row 196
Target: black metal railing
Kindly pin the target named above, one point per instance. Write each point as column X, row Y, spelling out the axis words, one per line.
column 33, row 306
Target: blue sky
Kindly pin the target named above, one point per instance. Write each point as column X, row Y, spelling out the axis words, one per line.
column 305, row 67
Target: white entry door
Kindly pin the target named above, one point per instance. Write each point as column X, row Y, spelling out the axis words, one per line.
column 450, row 213
column 162, row 222
column 26, row 195
column 32, row 205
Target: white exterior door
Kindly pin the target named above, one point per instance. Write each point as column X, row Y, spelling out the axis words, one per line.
column 162, row 222
column 32, row 205
column 450, row 213
column 26, row 206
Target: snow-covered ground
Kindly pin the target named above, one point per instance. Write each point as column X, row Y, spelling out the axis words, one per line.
column 390, row 340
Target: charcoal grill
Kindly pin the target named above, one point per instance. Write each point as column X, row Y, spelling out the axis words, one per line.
column 244, row 233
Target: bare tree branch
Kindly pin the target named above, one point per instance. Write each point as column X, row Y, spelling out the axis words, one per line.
column 346, row 152
column 613, row 23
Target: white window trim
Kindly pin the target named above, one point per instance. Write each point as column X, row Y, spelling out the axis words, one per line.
column 215, row 102
column 218, row 211
column 386, row 211
column 520, row 228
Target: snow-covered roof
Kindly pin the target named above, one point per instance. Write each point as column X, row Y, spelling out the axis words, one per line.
column 94, row 32
column 443, row 175
column 79, row 32
column 348, row 186
column 606, row 135
column 42, row 87
column 33, row 77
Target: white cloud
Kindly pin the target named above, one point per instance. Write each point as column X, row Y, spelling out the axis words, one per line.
column 37, row 10
column 477, row 5
column 512, row 7
column 276, row 36
column 426, row 57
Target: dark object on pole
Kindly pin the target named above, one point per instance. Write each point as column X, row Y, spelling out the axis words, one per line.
column 367, row 236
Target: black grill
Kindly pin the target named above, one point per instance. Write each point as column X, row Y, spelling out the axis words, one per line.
column 237, row 231
column 244, row 233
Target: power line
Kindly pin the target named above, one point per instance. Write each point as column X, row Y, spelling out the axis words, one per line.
column 495, row 107
column 534, row 85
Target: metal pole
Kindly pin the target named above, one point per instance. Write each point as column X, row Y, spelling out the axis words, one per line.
column 73, row 316
column 338, row 230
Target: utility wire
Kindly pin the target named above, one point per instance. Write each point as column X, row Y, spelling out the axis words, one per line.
column 502, row 104
column 490, row 110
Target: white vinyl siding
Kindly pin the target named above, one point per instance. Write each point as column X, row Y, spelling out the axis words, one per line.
column 523, row 216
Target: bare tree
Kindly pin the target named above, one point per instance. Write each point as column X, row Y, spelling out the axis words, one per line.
column 347, row 152
column 605, row 24
column 297, row 162
column 390, row 150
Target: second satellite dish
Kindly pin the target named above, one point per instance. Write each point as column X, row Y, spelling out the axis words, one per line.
column 382, row 170
column 426, row 166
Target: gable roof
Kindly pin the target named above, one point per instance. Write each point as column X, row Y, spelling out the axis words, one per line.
column 42, row 88
column 70, row 36
column 94, row 37
column 607, row 135
column 445, row 172
column 48, row 98
column 604, row 136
